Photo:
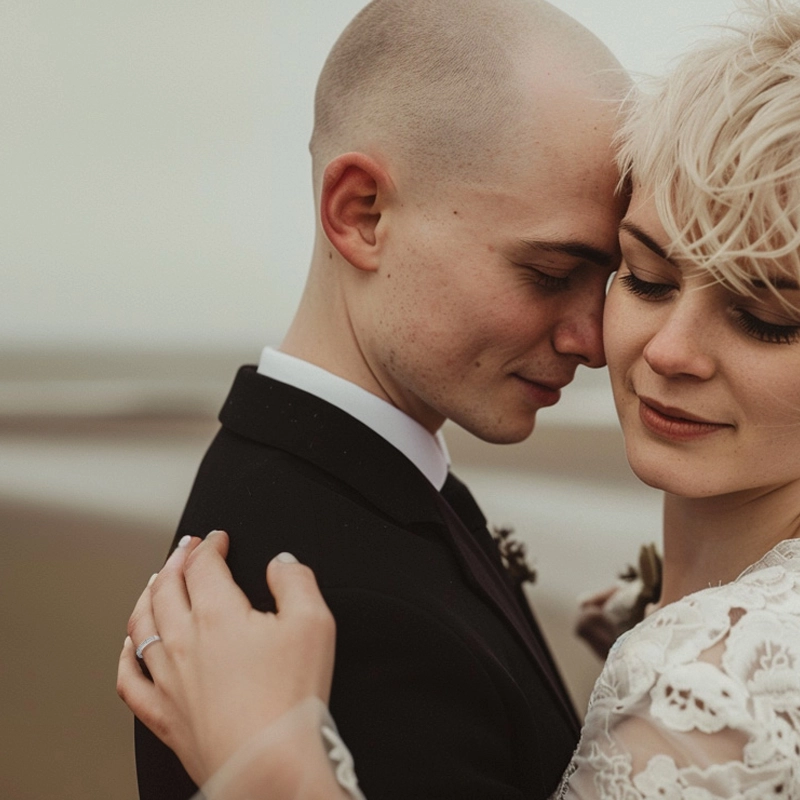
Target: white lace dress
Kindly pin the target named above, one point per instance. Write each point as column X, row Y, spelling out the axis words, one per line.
column 701, row 700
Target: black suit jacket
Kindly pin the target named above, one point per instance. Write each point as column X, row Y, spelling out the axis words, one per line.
column 443, row 687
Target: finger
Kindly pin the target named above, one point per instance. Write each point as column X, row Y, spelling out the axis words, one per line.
column 219, row 541
column 141, row 618
column 136, row 691
column 169, row 598
column 132, row 686
column 142, row 626
column 294, row 587
column 209, row 582
column 300, row 604
column 172, row 571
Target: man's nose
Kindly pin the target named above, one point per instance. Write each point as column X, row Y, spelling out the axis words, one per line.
column 580, row 333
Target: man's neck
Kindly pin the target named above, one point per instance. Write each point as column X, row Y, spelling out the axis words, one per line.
column 324, row 346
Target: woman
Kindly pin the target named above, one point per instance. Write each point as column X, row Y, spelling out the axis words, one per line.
column 702, row 331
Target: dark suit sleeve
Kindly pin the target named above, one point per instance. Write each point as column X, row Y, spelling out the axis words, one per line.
column 432, row 728
column 419, row 727
column 159, row 773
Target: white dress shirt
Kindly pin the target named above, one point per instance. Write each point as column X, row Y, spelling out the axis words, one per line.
column 427, row 451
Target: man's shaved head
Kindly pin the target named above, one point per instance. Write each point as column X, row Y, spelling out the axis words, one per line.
column 446, row 84
column 466, row 209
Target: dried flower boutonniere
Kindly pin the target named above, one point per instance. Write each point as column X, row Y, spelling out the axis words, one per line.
column 512, row 553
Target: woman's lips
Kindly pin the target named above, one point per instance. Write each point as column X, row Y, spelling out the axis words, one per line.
column 673, row 423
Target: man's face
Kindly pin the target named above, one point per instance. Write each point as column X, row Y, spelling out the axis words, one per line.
column 491, row 293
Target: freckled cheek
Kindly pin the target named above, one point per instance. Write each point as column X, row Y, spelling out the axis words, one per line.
column 625, row 335
column 622, row 360
column 773, row 407
column 615, row 354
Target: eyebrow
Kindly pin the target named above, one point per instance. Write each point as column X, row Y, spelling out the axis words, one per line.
column 573, row 248
column 777, row 282
column 647, row 241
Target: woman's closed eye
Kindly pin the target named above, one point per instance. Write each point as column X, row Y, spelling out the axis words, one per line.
column 764, row 331
column 649, row 290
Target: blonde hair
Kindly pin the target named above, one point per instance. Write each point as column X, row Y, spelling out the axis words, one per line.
column 717, row 142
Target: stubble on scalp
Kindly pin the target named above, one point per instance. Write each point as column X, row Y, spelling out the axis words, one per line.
column 445, row 87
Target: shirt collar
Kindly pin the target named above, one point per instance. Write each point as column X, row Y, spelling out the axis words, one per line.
column 427, row 451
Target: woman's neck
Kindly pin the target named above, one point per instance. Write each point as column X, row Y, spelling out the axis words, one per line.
column 710, row 541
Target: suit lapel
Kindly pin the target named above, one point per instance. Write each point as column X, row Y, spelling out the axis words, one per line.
column 312, row 429
column 480, row 561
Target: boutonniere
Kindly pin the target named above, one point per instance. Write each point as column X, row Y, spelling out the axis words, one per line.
column 512, row 554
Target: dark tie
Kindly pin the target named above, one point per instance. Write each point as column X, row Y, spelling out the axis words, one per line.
column 463, row 503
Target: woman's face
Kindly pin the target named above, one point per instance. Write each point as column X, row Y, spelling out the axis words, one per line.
column 706, row 381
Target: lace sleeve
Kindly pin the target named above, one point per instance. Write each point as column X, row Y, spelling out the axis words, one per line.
column 298, row 757
column 700, row 701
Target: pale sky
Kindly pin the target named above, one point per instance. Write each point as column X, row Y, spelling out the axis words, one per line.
column 155, row 179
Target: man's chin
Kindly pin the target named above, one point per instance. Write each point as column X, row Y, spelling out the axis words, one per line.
column 499, row 432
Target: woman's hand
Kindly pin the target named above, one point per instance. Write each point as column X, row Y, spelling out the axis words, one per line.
column 222, row 671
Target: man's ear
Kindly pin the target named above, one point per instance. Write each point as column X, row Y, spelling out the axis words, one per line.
column 354, row 187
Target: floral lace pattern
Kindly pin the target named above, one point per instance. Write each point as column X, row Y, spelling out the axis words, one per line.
column 701, row 700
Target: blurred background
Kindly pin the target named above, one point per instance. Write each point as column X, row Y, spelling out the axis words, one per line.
column 155, row 226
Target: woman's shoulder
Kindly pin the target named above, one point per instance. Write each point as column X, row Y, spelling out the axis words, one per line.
column 723, row 662
column 740, row 631
column 772, row 584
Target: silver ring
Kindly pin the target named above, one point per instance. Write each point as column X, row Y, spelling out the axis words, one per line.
column 146, row 643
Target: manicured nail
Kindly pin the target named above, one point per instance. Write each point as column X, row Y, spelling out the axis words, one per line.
column 286, row 558
column 152, row 579
column 184, row 540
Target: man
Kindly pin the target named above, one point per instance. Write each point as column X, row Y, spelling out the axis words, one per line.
column 467, row 217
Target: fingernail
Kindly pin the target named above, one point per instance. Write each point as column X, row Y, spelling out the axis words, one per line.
column 213, row 533
column 184, row 540
column 152, row 579
column 286, row 558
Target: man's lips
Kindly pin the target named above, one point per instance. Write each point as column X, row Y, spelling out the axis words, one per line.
column 545, row 393
column 675, row 423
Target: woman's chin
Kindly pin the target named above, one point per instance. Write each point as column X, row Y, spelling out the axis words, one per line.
column 676, row 476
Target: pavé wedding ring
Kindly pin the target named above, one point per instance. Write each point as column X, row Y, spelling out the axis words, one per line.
column 146, row 643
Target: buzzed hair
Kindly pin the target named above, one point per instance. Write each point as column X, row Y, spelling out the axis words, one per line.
column 437, row 82
column 718, row 143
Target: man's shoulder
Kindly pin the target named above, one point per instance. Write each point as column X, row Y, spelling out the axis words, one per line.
column 279, row 447
column 269, row 499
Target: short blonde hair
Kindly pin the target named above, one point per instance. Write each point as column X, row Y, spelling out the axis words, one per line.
column 718, row 143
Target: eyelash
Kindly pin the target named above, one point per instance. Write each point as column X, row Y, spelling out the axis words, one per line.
column 767, row 331
column 553, row 282
column 645, row 289
column 750, row 324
